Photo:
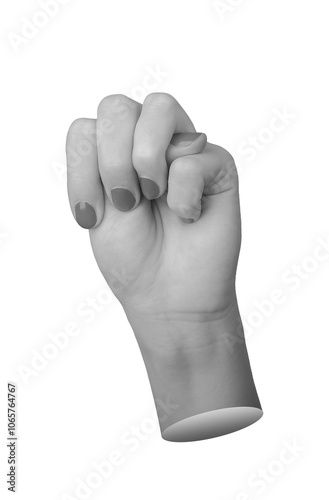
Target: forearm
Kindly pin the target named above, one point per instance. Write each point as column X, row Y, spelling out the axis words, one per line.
column 195, row 369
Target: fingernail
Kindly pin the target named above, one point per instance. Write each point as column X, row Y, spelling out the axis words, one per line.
column 150, row 189
column 123, row 199
column 187, row 221
column 184, row 140
column 85, row 215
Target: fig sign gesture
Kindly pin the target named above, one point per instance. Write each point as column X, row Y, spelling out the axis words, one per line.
column 162, row 208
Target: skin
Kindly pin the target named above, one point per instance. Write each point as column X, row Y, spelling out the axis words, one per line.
column 165, row 266
column 175, row 280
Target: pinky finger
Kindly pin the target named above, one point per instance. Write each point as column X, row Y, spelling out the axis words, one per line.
column 84, row 185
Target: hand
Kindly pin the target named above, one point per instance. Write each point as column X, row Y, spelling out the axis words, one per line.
column 156, row 263
column 166, row 239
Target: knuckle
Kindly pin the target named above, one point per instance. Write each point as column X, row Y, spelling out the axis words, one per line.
column 144, row 155
column 80, row 142
column 230, row 162
column 112, row 104
column 109, row 166
column 226, row 157
column 229, row 172
column 81, row 126
column 160, row 100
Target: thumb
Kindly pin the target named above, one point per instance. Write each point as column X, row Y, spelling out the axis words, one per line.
column 199, row 176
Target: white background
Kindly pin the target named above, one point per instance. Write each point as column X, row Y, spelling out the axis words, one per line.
column 233, row 71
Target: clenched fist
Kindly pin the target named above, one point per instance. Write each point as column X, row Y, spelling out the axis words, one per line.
column 162, row 208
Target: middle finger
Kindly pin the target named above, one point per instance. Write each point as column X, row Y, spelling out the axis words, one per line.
column 116, row 120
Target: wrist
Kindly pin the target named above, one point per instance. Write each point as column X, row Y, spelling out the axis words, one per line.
column 198, row 367
column 170, row 334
